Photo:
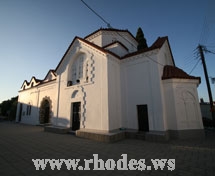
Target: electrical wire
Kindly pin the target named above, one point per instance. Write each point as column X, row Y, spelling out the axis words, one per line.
column 126, row 40
column 209, row 51
column 194, row 66
column 108, row 24
column 187, row 58
column 155, row 61
column 203, row 37
column 205, row 32
column 189, row 66
column 207, row 24
column 190, row 61
column 210, row 46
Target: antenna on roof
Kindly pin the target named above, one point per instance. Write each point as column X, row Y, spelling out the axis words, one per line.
column 108, row 24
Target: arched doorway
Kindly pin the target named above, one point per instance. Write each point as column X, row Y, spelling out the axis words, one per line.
column 45, row 111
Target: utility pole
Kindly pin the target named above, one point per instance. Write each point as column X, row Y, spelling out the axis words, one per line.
column 207, row 82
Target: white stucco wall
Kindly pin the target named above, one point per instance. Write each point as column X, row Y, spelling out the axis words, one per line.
column 140, row 82
column 34, row 97
column 93, row 95
column 25, row 98
column 109, row 37
column 117, row 49
column 103, row 38
column 97, row 39
column 114, row 93
column 182, row 106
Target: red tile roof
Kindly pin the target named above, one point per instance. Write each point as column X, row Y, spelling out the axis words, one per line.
column 157, row 44
column 170, row 72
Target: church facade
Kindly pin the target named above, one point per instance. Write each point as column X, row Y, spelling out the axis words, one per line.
column 103, row 84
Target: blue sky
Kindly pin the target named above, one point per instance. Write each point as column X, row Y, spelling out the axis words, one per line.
column 34, row 34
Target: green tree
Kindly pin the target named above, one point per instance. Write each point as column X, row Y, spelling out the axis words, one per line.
column 8, row 108
column 12, row 115
column 5, row 107
column 141, row 39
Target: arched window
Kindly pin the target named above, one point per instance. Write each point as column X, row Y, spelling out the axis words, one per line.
column 78, row 72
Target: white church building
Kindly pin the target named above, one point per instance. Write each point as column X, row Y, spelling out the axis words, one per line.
column 103, row 85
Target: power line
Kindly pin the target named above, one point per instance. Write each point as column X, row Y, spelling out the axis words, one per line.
column 187, row 58
column 207, row 81
column 126, row 40
column 207, row 24
column 190, row 60
column 194, row 66
column 155, row 61
column 189, row 66
column 108, row 24
column 204, row 49
column 205, row 32
column 202, row 31
column 209, row 51
column 210, row 46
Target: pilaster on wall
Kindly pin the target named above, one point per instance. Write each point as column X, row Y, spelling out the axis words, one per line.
column 83, row 109
column 91, row 68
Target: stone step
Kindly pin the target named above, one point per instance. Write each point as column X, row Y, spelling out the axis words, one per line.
column 71, row 132
column 56, row 129
column 44, row 124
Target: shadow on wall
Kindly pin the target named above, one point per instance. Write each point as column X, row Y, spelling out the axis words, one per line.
column 26, row 113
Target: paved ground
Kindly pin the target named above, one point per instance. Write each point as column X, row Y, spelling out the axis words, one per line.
column 19, row 144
